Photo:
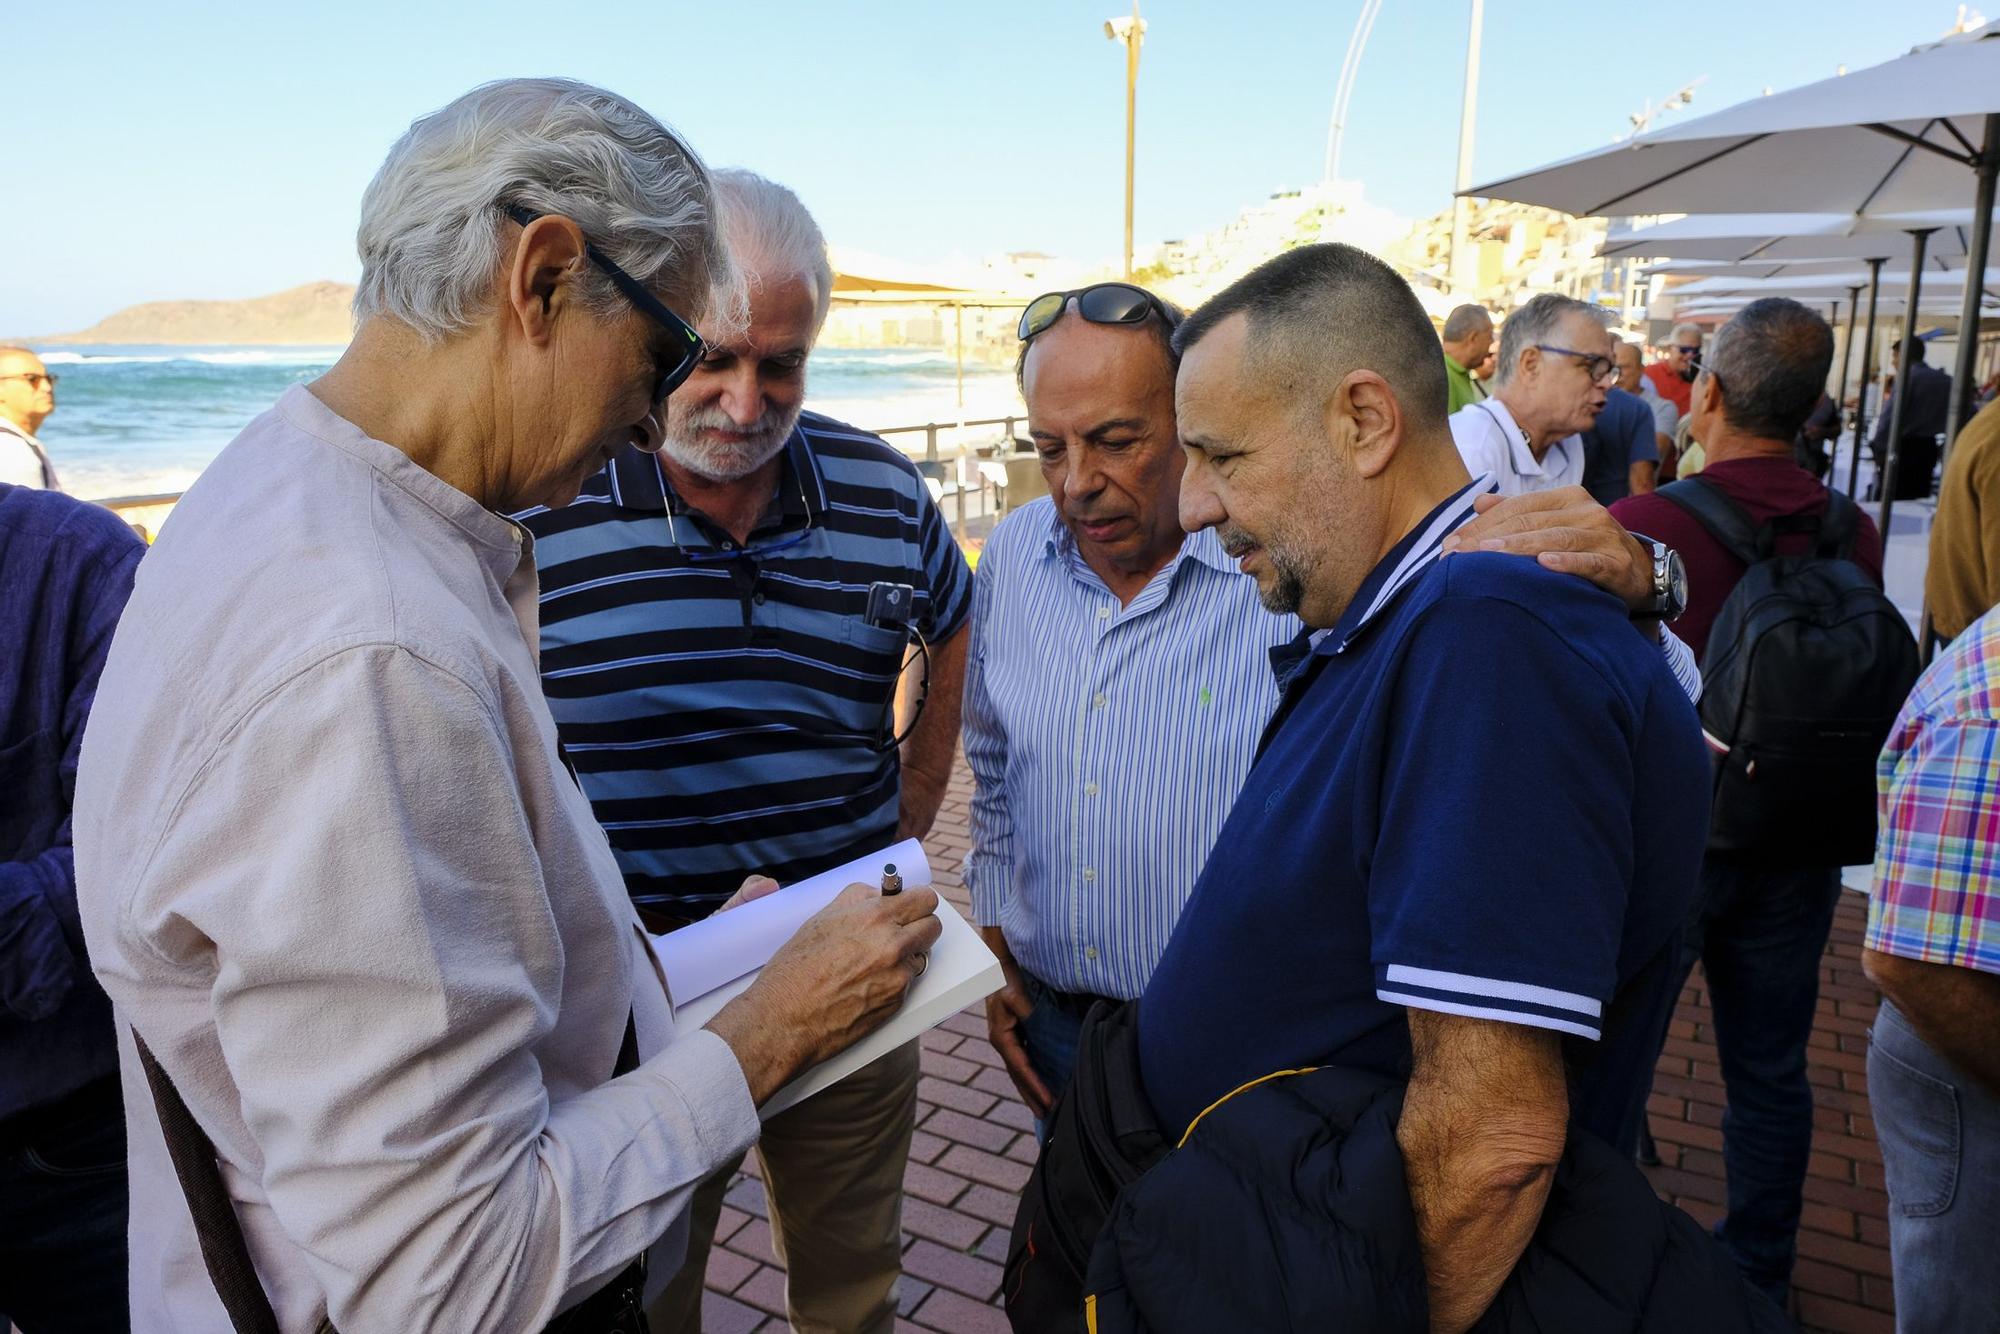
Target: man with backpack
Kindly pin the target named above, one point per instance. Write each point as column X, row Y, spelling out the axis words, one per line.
column 1805, row 664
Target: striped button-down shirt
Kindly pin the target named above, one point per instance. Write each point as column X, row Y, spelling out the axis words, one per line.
column 1107, row 744
column 1937, row 863
column 726, row 705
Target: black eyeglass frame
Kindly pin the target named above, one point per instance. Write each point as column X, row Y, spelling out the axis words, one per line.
column 689, row 344
column 35, row 377
column 1032, row 325
column 1595, row 366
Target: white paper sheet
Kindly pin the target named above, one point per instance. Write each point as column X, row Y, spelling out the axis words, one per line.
column 729, row 945
column 962, row 971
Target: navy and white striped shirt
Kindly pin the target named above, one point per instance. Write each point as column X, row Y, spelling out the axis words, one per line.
column 1107, row 744
column 724, row 706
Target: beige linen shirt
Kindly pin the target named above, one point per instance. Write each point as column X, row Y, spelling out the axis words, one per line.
column 331, row 867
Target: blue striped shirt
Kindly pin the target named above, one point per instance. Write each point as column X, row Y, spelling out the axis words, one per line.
column 1106, row 743
column 725, row 706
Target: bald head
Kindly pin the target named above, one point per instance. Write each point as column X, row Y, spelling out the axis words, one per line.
column 27, row 394
column 1467, row 335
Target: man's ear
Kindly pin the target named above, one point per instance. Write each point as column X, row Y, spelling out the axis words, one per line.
column 1364, row 413
column 541, row 275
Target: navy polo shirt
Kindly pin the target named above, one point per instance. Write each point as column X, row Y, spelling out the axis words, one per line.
column 1483, row 793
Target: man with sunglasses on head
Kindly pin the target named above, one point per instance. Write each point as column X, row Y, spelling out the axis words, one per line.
column 27, row 397
column 1555, row 369
column 725, row 675
column 1673, row 375
column 1120, row 674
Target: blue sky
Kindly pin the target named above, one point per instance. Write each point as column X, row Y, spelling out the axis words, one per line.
column 219, row 150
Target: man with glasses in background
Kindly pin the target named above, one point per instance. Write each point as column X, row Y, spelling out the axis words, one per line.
column 1555, row 368
column 27, row 397
column 724, row 631
column 1673, row 375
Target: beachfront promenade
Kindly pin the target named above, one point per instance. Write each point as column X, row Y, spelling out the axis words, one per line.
column 973, row 1145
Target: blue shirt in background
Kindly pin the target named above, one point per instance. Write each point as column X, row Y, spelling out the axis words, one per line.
column 1483, row 793
column 1625, row 434
column 65, row 572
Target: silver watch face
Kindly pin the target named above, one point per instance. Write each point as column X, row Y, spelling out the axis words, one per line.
column 1673, row 584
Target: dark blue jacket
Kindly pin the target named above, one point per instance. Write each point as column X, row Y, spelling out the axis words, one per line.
column 65, row 572
column 1287, row 1210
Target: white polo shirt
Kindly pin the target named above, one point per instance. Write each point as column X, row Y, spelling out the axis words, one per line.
column 23, row 461
column 1489, row 440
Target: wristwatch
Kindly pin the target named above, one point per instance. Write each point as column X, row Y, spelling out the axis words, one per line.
column 1670, row 582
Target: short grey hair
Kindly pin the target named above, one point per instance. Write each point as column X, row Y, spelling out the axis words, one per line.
column 773, row 235
column 1772, row 361
column 1691, row 330
column 1465, row 321
column 1535, row 323
column 432, row 237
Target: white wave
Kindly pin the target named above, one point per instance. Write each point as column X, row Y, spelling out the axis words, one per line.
column 237, row 357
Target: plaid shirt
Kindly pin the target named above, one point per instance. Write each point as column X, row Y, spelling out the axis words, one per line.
column 1937, row 862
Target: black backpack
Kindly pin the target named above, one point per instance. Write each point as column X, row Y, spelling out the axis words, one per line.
column 1807, row 666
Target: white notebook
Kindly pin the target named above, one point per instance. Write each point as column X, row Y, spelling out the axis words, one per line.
column 961, row 971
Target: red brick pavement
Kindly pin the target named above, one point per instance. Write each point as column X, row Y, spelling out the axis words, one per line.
column 973, row 1146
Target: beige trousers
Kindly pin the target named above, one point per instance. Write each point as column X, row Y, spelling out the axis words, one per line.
column 833, row 1179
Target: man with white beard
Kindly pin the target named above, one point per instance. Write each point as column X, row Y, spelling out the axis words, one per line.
column 724, row 629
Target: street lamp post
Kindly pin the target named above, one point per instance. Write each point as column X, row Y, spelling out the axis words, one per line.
column 1130, row 31
column 1468, row 113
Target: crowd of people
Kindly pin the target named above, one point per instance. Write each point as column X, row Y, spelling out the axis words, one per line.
column 1353, row 794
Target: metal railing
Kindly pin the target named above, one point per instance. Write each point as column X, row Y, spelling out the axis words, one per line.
column 931, row 430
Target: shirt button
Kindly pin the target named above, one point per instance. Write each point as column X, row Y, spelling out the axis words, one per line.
column 1090, row 953
column 1090, row 789
column 1089, row 873
column 757, row 598
column 1099, row 701
column 1104, row 613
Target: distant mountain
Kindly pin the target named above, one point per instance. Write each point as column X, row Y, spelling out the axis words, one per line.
column 314, row 313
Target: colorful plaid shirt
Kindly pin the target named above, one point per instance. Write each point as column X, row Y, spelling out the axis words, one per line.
column 1937, row 862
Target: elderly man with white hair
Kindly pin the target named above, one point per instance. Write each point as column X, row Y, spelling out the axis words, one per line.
column 723, row 660
column 388, row 1015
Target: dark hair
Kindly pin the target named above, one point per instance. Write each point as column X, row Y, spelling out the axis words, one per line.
column 1772, row 361
column 1320, row 311
column 1465, row 321
column 1160, row 323
column 1913, row 346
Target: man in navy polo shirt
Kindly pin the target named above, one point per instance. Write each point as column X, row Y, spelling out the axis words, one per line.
column 1473, row 827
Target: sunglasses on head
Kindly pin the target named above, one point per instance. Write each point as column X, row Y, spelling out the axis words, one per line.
column 1100, row 303
column 686, row 348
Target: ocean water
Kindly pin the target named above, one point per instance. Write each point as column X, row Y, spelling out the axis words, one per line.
column 136, row 420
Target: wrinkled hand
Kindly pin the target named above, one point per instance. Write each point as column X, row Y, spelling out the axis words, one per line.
column 753, row 887
column 838, row 979
column 1006, row 1009
column 1565, row 530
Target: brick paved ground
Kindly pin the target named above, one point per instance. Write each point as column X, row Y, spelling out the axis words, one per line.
column 973, row 1146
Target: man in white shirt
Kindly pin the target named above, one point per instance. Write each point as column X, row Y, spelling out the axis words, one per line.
column 1555, row 367
column 27, row 397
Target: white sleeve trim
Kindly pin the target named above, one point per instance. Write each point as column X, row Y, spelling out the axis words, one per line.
column 1493, row 987
column 1521, row 1017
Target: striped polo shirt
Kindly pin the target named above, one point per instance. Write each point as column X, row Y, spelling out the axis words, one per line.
column 727, row 707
